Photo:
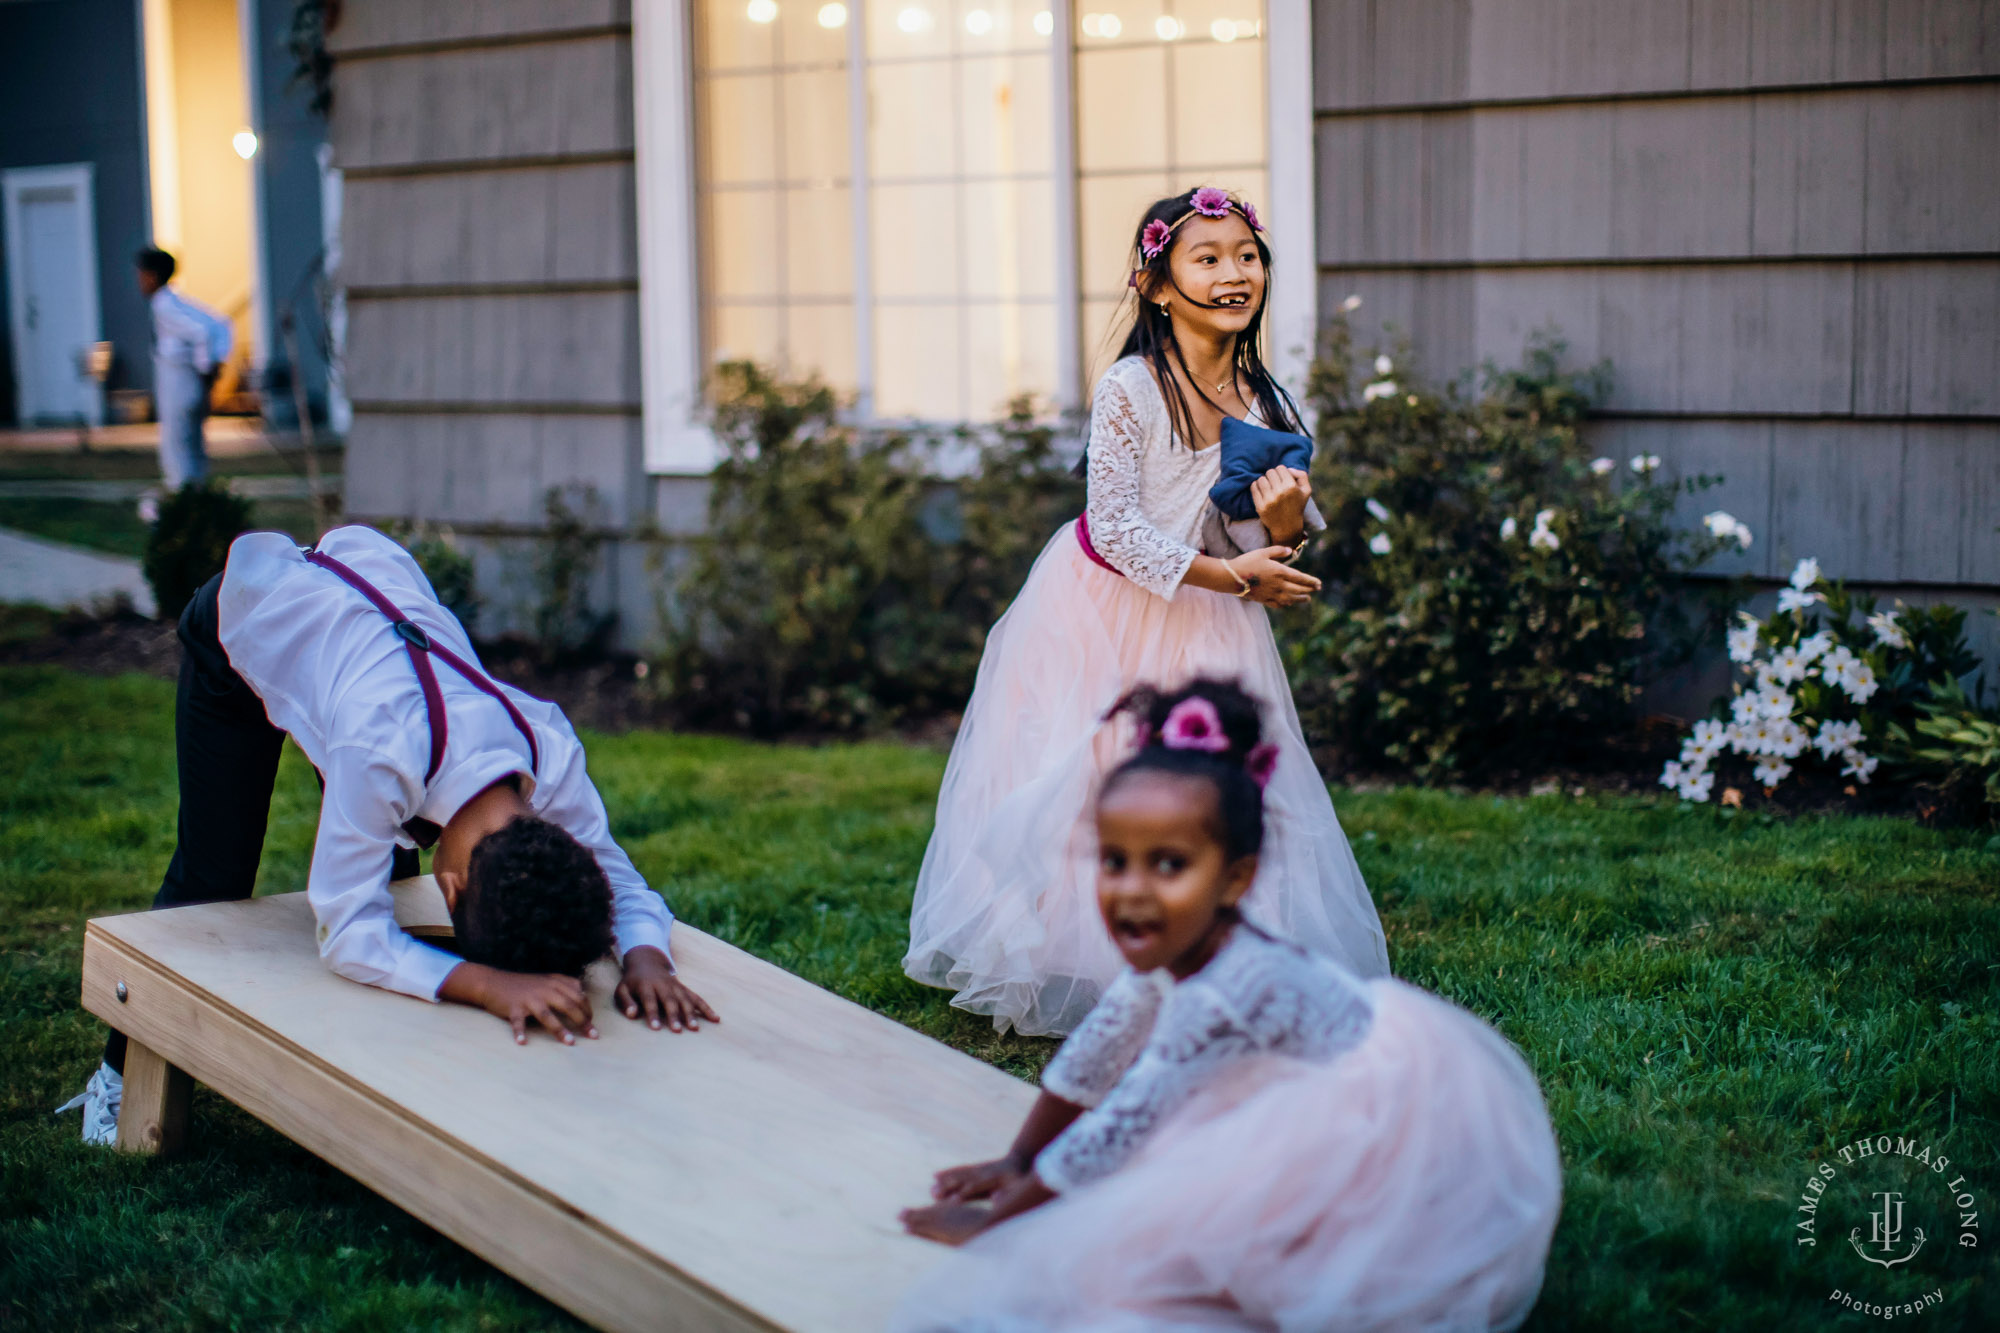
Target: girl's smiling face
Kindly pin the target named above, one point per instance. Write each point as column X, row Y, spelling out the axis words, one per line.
column 1214, row 260
column 1163, row 875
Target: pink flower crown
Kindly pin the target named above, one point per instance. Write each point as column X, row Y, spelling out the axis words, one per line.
column 1193, row 724
column 1207, row 202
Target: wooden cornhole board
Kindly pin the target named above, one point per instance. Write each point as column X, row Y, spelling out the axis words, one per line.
column 746, row 1176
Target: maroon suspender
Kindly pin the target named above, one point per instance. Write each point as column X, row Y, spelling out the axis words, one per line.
column 421, row 649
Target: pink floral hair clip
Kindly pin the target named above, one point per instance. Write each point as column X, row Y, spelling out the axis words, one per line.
column 1208, row 202
column 1194, row 724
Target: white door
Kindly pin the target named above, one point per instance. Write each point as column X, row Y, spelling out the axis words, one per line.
column 51, row 245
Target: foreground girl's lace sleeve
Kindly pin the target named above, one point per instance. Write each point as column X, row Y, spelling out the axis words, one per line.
column 1267, row 998
column 1106, row 1043
column 1119, row 528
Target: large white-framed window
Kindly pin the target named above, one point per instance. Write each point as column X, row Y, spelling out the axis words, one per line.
column 928, row 202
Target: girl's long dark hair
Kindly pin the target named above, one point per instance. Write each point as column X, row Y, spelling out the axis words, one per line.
column 1152, row 335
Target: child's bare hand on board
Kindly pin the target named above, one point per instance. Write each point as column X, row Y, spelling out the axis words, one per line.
column 975, row 1180
column 559, row 1003
column 650, row 987
column 947, row 1223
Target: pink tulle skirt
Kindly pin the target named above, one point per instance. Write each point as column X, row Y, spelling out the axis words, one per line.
column 1006, row 903
column 1411, row 1185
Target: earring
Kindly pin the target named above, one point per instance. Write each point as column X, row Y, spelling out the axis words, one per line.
column 1163, row 309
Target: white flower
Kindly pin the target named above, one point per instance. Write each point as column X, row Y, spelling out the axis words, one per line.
column 1813, row 645
column 1644, row 463
column 1379, row 543
column 1888, row 631
column 1377, row 508
column 1350, row 305
column 1743, row 642
column 1542, row 517
column 1771, row 772
column 1737, row 739
column 1791, row 599
column 1544, row 540
column 1710, row 734
column 1727, row 528
column 1861, row 683
column 1805, row 573
column 1602, row 466
column 1671, row 775
column 1838, row 659
column 1836, row 736
column 1508, row 527
column 1696, row 755
column 1744, row 711
column 1696, row 786
column 1383, row 366
column 1379, row 389
column 1858, row 765
column 1773, row 703
column 1790, row 741
column 1788, row 666
column 1758, row 736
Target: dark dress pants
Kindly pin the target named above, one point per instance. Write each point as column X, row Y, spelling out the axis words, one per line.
column 226, row 757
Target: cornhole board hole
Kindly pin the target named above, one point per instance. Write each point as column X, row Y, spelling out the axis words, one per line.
column 746, row 1176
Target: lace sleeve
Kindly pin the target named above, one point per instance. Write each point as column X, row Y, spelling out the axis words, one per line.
column 1119, row 528
column 1105, row 1137
column 1260, row 995
column 1107, row 1042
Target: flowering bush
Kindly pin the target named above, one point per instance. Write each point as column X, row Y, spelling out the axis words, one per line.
column 1493, row 592
column 840, row 584
column 1827, row 679
column 1956, row 750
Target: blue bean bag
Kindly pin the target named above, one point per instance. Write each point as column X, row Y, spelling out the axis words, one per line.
column 1248, row 452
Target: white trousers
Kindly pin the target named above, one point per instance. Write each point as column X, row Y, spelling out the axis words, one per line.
column 181, row 396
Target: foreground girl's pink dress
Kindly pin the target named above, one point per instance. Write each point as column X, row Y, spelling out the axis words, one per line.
column 1006, row 907
column 1276, row 1145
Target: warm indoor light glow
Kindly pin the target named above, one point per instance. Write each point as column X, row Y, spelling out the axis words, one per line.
column 833, row 16
column 761, row 11
column 1167, row 28
column 245, row 144
column 914, row 19
column 1102, row 25
column 1045, row 22
column 978, row 22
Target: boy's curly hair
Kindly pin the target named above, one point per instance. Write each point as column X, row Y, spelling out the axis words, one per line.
column 535, row 901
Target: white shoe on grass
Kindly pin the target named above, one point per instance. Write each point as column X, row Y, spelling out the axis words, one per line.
column 100, row 1100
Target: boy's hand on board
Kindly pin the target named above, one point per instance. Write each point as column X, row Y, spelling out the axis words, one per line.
column 650, row 988
column 560, row 1004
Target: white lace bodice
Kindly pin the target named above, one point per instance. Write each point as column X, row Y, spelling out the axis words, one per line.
column 1148, row 491
column 1151, row 1044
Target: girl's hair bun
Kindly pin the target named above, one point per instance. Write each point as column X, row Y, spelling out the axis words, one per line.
column 1209, row 729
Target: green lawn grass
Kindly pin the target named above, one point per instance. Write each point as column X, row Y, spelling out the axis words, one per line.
column 1712, row 1004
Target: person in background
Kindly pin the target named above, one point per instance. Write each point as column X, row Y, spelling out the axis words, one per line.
column 190, row 345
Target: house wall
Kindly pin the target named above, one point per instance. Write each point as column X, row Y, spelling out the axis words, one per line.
column 490, row 259
column 1778, row 219
column 70, row 92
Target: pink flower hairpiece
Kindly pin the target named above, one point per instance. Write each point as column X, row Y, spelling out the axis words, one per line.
column 1261, row 762
column 1193, row 724
column 1208, row 202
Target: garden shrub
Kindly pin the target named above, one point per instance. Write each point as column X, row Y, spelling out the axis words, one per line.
column 840, row 584
column 567, row 626
column 189, row 543
column 1827, row 681
column 1955, row 752
column 448, row 568
column 1494, row 595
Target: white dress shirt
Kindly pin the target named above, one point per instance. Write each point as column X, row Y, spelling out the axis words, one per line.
column 188, row 333
column 335, row 677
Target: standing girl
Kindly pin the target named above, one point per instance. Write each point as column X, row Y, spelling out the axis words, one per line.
column 1244, row 1135
column 1149, row 585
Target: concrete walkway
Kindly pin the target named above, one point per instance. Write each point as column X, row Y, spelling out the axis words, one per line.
column 51, row 574
column 250, row 488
